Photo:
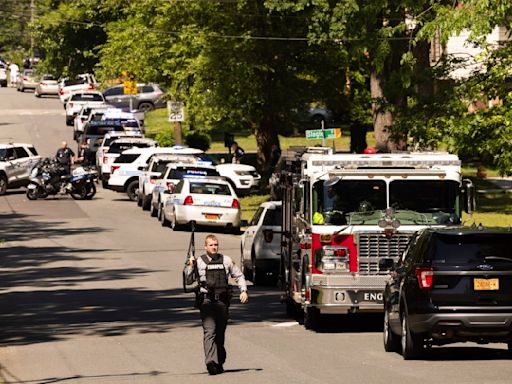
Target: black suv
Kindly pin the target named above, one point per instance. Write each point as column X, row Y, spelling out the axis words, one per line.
column 450, row 285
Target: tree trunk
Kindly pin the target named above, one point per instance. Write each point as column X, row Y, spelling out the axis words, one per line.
column 382, row 118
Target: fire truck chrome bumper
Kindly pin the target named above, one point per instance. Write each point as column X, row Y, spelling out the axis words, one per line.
column 335, row 300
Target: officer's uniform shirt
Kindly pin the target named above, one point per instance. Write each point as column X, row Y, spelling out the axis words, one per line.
column 64, row 156
column 230, row 267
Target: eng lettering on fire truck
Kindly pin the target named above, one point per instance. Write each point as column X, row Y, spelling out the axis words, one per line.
column 348, row 217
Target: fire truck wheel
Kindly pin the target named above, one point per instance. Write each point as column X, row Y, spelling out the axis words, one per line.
column 311, row 318
column 391, row 341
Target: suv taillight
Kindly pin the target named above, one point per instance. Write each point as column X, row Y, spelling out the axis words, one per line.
column 425, row 276
column 188, row 201
column 235, row 204
column 114, row 168
column 90, row 87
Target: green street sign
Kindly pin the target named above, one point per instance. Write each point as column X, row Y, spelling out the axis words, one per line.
column 316, row 134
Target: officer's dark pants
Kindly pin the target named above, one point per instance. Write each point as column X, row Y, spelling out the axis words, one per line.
column 214, row 315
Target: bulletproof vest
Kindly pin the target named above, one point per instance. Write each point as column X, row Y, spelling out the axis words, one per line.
column 216, row 277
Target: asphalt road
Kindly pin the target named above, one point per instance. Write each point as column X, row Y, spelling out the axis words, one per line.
column 90, row 292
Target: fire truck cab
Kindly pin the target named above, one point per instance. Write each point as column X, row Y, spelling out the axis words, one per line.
column 346, row 217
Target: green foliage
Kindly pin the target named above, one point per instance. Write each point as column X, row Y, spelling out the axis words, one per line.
column 165, row 138
column 199, row 140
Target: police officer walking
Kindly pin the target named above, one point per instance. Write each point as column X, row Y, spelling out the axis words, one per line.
column 213, row 270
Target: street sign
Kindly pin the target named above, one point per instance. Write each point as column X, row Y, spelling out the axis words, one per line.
column 318, row 134
column 176, row 111
column 130, row 87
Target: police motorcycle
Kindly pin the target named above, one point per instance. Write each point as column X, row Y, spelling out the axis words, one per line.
column 90, row 173
column 49, row 177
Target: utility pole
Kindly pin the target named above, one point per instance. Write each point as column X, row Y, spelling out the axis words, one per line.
column 32, row 11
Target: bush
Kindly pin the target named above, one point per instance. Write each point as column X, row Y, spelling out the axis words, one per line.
column 199, row 140
column 165, row 138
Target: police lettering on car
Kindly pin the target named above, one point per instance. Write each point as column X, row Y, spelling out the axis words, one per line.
column 212, row 271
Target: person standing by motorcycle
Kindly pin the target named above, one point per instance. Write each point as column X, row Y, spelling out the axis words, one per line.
column 65, row 157
column 85, row 155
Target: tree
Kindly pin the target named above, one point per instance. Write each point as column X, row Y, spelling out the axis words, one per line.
column 237, row 67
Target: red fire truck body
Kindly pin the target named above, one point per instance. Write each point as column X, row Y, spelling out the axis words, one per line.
column 346, row 216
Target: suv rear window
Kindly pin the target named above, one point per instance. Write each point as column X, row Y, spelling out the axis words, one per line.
column 126, row 158
column 87, row 97
column 209, row 189
column 471, row 248
column 68, row 83
column 180, row 173
column 101, row 129
column 273, row 217
column 121, row 147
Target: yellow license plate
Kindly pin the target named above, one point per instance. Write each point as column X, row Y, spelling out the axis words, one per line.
column 486, row 284
column 210, row 216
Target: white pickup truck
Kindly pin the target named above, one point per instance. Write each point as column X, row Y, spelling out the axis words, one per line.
column 83, row 82
column 77, row 100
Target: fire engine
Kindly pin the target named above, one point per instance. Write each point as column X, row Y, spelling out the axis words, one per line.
column 347, row 217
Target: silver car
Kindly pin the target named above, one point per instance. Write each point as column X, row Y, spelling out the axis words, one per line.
column 27, row 80
column 149, row 96
column 48, row 85
column 260, row 245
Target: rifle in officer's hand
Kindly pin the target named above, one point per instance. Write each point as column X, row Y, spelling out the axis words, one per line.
column 191, row 260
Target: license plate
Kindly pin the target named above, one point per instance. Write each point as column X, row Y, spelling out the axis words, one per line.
column 486, row 284
column 211, row 216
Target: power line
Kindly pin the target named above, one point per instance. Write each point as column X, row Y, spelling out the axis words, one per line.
column 221, row 36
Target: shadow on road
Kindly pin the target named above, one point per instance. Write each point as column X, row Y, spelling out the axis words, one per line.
column 21, row 227
column 51, row 292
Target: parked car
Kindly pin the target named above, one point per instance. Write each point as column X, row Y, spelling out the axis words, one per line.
column 260, row 244
column 125, row 171
column 94, row 131
column 16, row 162
column 243, row 178
column 83, row 82
column 80, row 99
column 155, row 170
column 108, row 139
column 208, row 201
column 450, row 285
column 27, row 80
column 3, row 75
column 47, row 85
column 174, row 172
column 149, row 96
column 116, row 148
column 87, row 113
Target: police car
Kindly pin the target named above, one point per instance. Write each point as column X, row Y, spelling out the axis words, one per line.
column 260, row 244
column 116, row 148
column 126, row 169
column 148, row 179
column 174, row 172
column 208, row 201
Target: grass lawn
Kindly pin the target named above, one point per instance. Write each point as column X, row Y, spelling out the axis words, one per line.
column 249, row 205
column 156, row 121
